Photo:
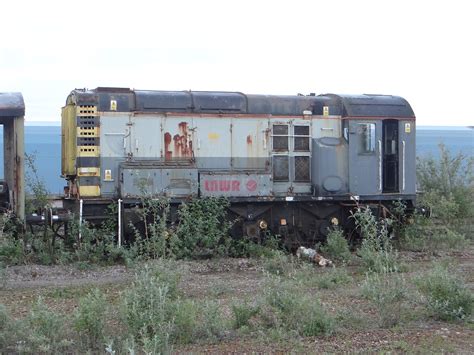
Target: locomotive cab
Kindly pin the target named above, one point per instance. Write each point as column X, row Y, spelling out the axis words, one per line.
column 380, row 133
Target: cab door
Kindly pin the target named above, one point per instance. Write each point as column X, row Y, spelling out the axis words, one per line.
column 365, row 157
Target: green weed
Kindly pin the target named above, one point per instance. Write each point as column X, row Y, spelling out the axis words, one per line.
column 90, row 319
column 336, row 247
column 389, row 294
column 446, row 296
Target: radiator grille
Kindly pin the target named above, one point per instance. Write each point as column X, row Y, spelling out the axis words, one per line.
column 302, row 169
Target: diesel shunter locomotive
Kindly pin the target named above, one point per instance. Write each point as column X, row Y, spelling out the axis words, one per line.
column 292, row 164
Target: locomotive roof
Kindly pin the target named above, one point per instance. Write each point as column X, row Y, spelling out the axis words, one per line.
column 369, row 105
column 11, row 104
column 236, row 102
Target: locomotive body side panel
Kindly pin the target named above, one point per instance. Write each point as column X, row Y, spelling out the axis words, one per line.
column 330, row 175
column 249, row 144
column 213, row 143
column 114, row 134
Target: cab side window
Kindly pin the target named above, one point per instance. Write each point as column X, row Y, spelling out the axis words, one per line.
column 366, row 133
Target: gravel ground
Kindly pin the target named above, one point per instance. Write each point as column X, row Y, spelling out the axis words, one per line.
column 229, row 279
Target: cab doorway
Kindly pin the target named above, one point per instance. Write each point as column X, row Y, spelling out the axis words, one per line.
column 390, row 157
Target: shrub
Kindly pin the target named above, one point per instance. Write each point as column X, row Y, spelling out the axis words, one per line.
column 35, row 186
column 3, row 275
column 376, row 251
column 46, row 331
column 145, row 302
column 90, row 318
column 295, row 311
column 448, row 184
column 279, row 264
column 388, row 293
column 242, row 313
column 11, row 251
column 9, row 332
column 336, row 247
column 211, row 323
column 183, row 317
column 202, row 230
column 426, row 235
column 144, row 312
column 333, row 278
column 151, row 235
column 447, row 297
column 156, row 317
column 245, row 247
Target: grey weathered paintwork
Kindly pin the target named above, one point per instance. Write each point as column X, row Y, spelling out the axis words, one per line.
column 365, row 169
column 144, row 179
column 330, row 173
column 219, row 102
column 225, row 135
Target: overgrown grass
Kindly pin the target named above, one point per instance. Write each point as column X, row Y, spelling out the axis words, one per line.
column 90, row 319
column 389, row 294
column 242, row 313
column 43, row 330
column 157, row 317
column 295, row 311
column 446, row 296
column 279, row 263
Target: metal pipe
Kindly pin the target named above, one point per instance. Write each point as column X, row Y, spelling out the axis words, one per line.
column 119, row 223
column 80, row 218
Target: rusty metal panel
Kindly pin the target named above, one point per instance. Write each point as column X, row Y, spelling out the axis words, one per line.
column 235, row 184
column 178, row 138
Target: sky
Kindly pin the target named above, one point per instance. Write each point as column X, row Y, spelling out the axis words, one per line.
column 421, row 50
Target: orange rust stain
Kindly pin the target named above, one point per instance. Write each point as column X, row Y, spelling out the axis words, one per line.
column 183, row 146
column 168, row 152
column 249, row 139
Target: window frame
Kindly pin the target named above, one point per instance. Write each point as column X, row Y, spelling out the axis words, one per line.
column 299, row 136
column 366, row 142
column 287, row 135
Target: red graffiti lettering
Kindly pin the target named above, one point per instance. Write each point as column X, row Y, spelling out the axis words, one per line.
column 211, row 185
column 235, row 185
column 222, row 185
